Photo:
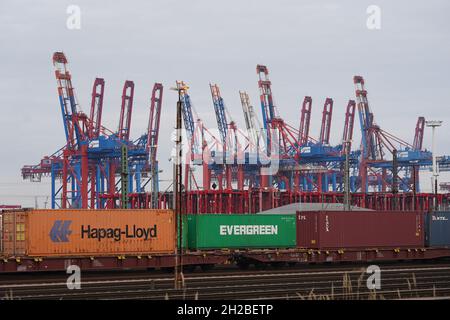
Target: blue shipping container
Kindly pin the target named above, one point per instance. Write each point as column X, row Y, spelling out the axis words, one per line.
column 437, row 229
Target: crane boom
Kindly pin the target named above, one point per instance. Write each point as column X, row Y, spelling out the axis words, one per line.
column 372, row 146
column 219, row 108
column 305, row 119
column 347, row 135
column 186, row 109
column 126, row 110
column 418, row 136
column 267, row 106
column 74, row 122
column 252, row 123
column 326, row 122
column 154, row 121
column 152, row 139
column 95, row 117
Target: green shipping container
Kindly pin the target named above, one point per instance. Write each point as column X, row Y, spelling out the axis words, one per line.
column 231, row 231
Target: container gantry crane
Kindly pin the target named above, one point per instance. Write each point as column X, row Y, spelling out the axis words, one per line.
column 378, row 144
column 201, row 142
column 281, row 139
column 321, row 160
column 233, row 157
column 222, row 167
column 284, row 136
column 190, row 127
column 88, row 163
column 149, row 141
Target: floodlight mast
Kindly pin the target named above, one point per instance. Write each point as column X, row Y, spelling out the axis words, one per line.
column 433, row 124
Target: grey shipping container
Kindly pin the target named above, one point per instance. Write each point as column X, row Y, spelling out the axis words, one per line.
column 437, row 229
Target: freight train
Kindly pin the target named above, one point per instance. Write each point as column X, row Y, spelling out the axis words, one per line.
column 49, row 240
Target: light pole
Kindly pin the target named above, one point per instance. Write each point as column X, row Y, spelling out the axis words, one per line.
column 414, row 186
column 347, row 200
column 177, row 181
column 434, row 124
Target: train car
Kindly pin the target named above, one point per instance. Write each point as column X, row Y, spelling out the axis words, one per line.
column 50, row 240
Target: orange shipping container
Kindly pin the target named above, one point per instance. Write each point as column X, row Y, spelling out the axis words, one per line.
column 98, row 232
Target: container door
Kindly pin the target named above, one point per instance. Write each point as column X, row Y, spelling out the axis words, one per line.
column 307, row 235
column 14, row 230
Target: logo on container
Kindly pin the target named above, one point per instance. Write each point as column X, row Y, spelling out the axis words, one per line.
column 61, row 231
column 439, row 218
column 237, row 230
column 327, row 224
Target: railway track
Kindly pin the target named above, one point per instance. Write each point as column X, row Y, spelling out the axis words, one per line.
column 338, row 282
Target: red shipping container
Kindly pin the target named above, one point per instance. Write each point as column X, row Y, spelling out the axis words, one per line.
column 362, row 229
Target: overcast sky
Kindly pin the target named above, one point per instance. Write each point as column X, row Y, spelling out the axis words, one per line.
column 311, row 48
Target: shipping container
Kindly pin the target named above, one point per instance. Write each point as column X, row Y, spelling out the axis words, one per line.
column 88, row 232
column 347, row 229
column 437, row 230
column 1, row 233
column 229, row 231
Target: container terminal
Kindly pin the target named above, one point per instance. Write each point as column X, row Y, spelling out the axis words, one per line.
column 323, row 203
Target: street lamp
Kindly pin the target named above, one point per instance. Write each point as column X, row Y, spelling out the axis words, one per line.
column 434, row 124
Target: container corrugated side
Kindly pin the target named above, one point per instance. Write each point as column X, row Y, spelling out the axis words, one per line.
column 437, row 229
column 100, row 232
column 343, row 229
column 229, row 231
